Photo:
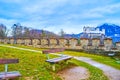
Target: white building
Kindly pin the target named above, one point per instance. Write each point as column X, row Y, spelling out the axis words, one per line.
column 94, row 30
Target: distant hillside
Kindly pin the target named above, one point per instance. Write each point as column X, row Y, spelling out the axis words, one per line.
column 37, row 33
column 72, row 35
column 40, row 31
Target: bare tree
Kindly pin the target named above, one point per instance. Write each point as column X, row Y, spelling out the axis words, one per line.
column 31, row 33
column 43, row 34
column 26, row 33
column 3, row 31
column 62, row 33
column 17, row 30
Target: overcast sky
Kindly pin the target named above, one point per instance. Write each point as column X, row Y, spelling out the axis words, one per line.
column 54, row 15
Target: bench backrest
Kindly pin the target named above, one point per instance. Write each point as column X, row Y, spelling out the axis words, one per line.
column 53, row 50
column 9, row 61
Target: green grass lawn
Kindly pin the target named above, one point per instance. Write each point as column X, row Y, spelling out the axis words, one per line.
column 33, row 65
column 102, row 59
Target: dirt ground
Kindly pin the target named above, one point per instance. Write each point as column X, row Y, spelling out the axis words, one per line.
column 74, row 73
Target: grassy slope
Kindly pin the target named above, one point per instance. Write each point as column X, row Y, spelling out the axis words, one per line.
column 102, row 59
column 33, row 65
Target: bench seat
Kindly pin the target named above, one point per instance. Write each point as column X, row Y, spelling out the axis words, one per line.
column 56, row 60
column 7, row 75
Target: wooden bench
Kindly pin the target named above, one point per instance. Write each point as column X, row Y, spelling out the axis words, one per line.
column 9, row 75
column 53, row 61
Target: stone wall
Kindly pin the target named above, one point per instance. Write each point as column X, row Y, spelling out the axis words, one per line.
column 36, row 42
column 20, row 41
column 44, row 43
column 71, row 43
column 108, row 43
column 96, row 42
column 6, row 41
column 53, row 42
column 28, row 42
column 84, row 42
column 118, row 45
column 12, row 41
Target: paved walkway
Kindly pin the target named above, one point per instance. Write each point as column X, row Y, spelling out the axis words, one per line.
column 110, row 72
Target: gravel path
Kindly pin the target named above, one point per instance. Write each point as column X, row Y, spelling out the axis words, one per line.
column 110, row 72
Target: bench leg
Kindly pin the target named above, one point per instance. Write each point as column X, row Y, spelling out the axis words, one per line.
column 47, row 56
column 53, row 67
column 6, row 67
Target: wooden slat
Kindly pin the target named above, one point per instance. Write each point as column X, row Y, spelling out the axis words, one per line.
column 53, row 50
column 8, row 61
column 9, row 75
column 55, row 60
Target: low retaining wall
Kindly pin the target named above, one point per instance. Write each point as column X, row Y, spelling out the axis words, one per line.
column 71, row 43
